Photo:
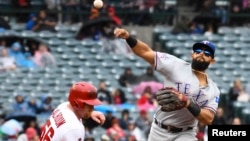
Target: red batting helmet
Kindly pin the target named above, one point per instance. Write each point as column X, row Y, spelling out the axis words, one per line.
column 83, row 92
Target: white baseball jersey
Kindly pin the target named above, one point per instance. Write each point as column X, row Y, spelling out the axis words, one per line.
column 63, row 125
column 179, row 75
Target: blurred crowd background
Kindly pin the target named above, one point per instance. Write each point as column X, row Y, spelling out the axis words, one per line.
column 46, row 45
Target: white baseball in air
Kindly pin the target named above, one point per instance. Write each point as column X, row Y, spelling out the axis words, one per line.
column 98, row 3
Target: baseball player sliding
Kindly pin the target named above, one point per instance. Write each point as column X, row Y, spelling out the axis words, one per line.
column 189, row 96
column 65, row 123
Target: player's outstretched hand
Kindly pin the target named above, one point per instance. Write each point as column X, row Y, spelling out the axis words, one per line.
column 98, row 117
column 121, row 33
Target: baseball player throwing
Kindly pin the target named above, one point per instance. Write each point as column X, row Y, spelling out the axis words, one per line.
column 189, row 95
column 65, row 123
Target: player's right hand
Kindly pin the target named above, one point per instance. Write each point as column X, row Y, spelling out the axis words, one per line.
column 98, row 117
column 121, row 33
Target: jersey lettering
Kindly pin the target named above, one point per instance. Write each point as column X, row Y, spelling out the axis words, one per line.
column 202, row 103
column 58, row 117
column 48, row 132
column 185, row 88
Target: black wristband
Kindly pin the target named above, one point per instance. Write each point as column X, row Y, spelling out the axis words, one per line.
column 194, row 108
column 131, row 41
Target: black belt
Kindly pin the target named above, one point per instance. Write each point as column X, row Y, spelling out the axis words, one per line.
column 172, row 128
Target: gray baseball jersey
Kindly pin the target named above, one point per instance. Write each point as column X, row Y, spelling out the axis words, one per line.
column 179, row 75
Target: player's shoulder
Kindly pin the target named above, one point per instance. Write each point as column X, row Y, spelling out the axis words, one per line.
column 214, row 85
column 163, row 55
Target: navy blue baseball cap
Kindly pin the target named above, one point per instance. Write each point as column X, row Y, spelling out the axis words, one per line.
column 207, row 44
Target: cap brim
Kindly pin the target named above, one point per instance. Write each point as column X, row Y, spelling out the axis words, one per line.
column 92, row 102
column 197, row 45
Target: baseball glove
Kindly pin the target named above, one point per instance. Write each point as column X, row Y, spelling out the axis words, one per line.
column 170, row 99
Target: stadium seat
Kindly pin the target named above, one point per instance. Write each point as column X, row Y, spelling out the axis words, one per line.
column 241, row 30
column 183, row 37
column 244, row 39
column 230, row 38
column 215, row 38
column 171, row 45
column 29, row 34
column 220, row 58
column 198, row 38
column 230, row 52
column 189, row 44
column 55, row 42
column 237, row 59
column 64, row 35
column 46, row 34
column 239, row 45
column 222, row 45
column 71, row 42
column 225, row 30
column 62, row 28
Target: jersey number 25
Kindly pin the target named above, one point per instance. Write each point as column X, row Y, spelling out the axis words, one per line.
column 48, row 132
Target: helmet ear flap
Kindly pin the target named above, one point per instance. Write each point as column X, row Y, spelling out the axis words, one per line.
column 77, row 105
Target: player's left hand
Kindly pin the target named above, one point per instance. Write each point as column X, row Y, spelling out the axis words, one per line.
column 170, row 99
column 98, row 117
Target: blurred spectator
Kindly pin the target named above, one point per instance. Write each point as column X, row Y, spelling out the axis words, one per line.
column 124, row 119
column 31, row 22
column 46, row 106
column 243, row 96
column 43, row 57
column 20, row 104
column 105, row 137
column 119, row 97
column 16, row 51
column 44, row 22
column 195, row 28
column 103, row 93
column 235, row 91
column 235, row 20
column 148, row 76
column 135, row 131
column 200, row 131
column 10, row 130
column 236, row 121
column 222, row 13
column 112, row 14
column 197, row 4
column 3, row 44
column 182, row 26
column 109, row 118
column 21, row 5
column 29, row 62
column 143, row 121
column 29, row 135
column 128, row 78
column 116, row 132
column 72, row 11
column 51, row 4
column 4, row 25
column 209, row 30
column 33, row 47
column 6, row 62
column 32, row 124
column 94, row 13
column 33, row 105
column 220, row 117
column 147, row 100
